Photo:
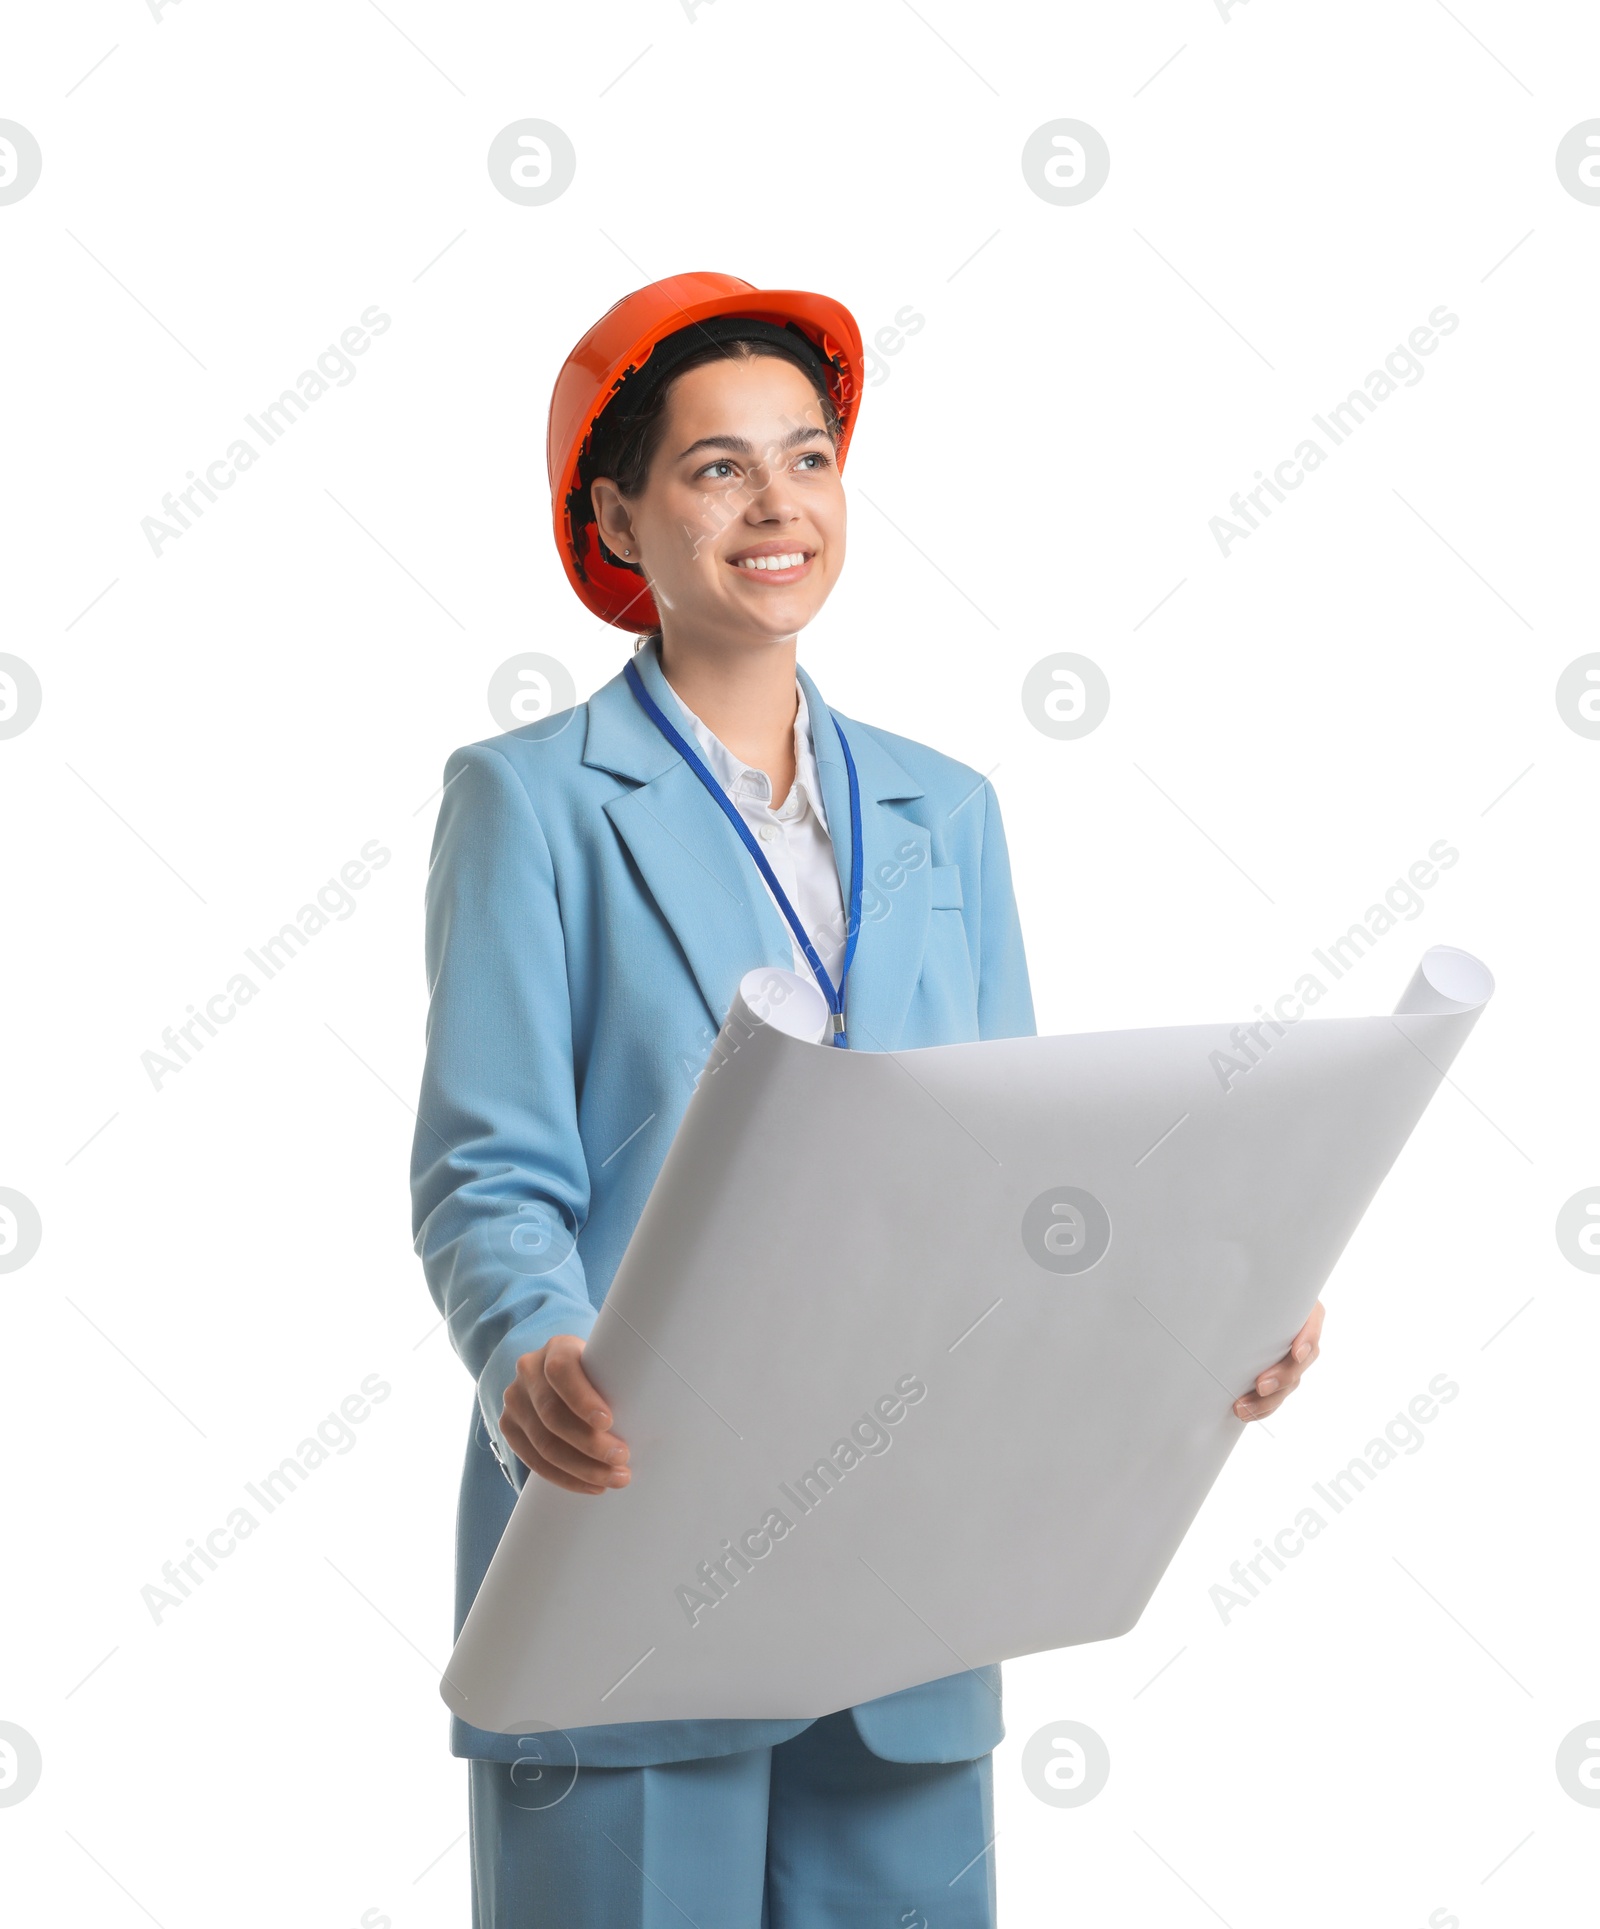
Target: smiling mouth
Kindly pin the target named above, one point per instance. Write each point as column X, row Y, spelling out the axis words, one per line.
column 774, row 567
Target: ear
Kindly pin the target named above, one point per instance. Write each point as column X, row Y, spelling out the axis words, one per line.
column 612, row 517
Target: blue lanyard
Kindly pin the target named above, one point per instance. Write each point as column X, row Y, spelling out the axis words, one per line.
column 834, row 995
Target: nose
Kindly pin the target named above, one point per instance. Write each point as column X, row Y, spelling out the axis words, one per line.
column 770, row 497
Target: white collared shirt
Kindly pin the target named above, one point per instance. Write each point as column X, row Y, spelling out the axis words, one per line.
column 793, row 836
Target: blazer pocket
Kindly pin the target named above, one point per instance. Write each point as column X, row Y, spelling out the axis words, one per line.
column 945, row 886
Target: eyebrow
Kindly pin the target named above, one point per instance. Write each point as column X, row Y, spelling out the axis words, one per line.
column 740, row 446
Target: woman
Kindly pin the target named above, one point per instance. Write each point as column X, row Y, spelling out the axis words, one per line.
column 592, row 904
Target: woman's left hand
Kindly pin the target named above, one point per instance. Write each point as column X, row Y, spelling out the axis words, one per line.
column 1275, row 1385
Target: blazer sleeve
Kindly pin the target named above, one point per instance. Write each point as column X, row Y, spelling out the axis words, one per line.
column 1005, row 998
column 499, row 1182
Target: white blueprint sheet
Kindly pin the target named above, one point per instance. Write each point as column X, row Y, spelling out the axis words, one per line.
column 927, row 1358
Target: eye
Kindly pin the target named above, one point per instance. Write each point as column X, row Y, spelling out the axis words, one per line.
column 720, row 463
column 816, row 456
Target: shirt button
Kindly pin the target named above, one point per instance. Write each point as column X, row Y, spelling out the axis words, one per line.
column 767, row 832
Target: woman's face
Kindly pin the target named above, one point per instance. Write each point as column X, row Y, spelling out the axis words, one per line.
column 740, row 527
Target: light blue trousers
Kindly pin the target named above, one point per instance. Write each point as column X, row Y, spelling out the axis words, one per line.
column 815, row 1833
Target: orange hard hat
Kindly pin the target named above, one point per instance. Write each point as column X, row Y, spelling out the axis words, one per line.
column 621, row 342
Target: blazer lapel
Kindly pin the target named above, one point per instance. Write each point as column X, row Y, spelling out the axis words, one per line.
column 706, row 886
column 690, row 857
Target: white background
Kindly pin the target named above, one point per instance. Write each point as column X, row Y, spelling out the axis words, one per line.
column 224, row 726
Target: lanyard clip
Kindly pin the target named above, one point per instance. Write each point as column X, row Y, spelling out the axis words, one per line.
column 836, row 1020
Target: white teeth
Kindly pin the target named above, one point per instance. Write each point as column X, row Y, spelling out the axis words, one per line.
column 773, row 562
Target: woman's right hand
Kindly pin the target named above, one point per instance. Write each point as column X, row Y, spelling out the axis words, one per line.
column 558, row 1426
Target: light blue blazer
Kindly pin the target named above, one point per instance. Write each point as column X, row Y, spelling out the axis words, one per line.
column 590, row 912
